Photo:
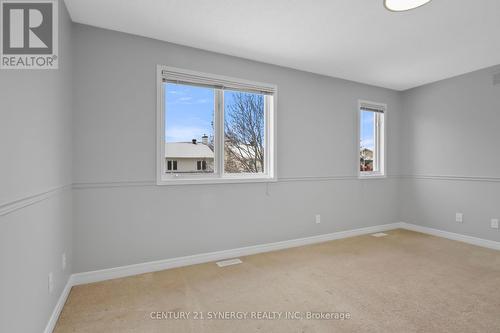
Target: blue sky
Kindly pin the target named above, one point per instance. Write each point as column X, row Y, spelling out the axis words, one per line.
column 367, row 129
column 189, row 112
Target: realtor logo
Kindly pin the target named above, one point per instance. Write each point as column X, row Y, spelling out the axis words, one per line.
column 29, row 34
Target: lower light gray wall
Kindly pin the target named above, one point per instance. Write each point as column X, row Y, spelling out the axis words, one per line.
column 32, row 240
column 123, row 225
column 122, row 218
column 35, row 191
column 451, row 150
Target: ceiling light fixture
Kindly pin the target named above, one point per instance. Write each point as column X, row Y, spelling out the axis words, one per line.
column 403, row 5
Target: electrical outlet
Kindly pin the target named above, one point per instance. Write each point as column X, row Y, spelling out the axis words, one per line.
column 494, row 223
column 51, row 283
column 459, row 217
column 63, row 261
column 318, row 219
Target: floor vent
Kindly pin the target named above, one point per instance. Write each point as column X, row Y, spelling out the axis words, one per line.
column 379, row 234
column 229, row 262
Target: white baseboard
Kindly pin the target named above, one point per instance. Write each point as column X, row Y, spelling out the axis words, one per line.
column 153, row 266
column 451, row 235
column 59, row 306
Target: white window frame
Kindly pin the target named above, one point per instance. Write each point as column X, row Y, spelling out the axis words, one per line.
column 218, row 176
column 380, row 140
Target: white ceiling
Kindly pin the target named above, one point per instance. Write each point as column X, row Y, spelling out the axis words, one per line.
column 357, row 40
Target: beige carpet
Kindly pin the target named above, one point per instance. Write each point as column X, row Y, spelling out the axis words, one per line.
column 404, row 282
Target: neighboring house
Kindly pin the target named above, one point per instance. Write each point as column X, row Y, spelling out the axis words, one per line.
column 188, row 157
column 366, row 159
column 367, row 154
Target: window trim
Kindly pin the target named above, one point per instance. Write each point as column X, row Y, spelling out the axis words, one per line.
column 382, row 148
column 218, row 177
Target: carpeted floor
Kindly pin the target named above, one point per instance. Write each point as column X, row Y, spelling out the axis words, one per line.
column 403, row 282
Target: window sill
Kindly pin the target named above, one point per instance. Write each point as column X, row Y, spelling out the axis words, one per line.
column 371, row 176
column 208, row 181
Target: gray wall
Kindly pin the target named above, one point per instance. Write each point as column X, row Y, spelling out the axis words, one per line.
column 122, row 218
column 451, row 150
column 35, row 146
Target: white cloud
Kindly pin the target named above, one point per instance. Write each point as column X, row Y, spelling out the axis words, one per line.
column 367, row 143
column 184, row 133
column 188, row 100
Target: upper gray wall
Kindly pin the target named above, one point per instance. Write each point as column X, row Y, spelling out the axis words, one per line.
column 450, row 146
column 35, row 146
column 35, row 138
column 116, row 109
column 451, row 127
column 115, row 144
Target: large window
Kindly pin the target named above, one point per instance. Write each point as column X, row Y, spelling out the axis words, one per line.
column 215, row 128
column 371, row 139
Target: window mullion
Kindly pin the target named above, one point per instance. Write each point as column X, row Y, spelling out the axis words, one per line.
column 379, row 142
column 219, row 131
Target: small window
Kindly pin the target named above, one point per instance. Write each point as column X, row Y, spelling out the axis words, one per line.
column 219, row 129
column 171, row 165
column 201, row 165
column 371, row 139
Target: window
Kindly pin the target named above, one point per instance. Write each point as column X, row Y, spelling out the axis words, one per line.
column 216, row 129
column 171, row 165
column 371, row 139
column 244, row 132
column 201, row 165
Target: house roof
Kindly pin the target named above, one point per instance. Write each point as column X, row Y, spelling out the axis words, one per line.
column 245, row 150
column 187, row 150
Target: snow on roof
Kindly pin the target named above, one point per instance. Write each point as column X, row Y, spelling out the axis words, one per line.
column 244, row 150
column 187, row 150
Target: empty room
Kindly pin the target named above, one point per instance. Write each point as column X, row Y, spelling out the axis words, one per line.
column 249, row 166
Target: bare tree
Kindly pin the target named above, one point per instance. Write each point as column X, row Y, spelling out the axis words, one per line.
column 211, row 139
column 244, row 133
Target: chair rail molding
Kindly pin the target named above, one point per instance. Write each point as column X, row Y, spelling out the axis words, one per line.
column 12, row 206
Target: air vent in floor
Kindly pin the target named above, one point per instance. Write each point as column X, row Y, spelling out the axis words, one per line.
column 379, row 234
column 229, row 262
